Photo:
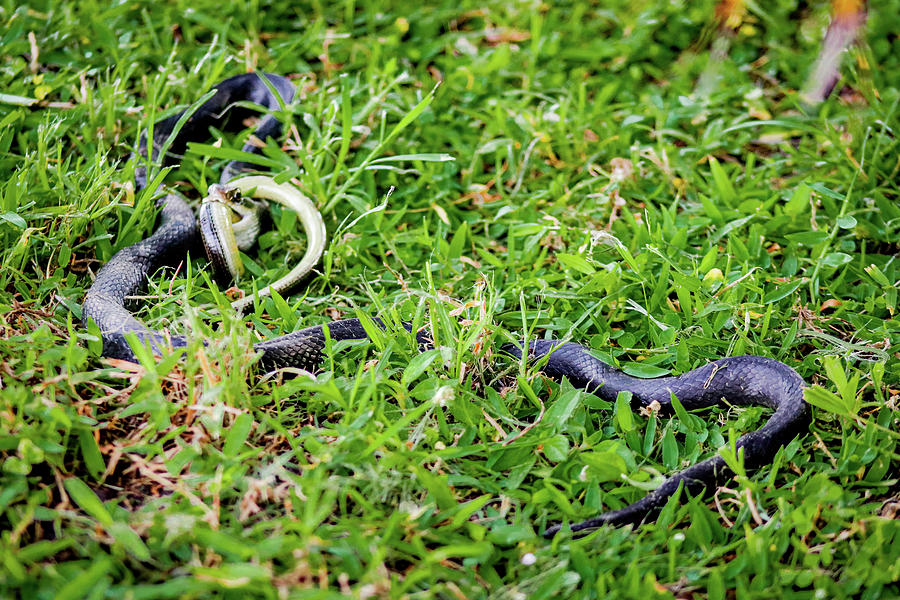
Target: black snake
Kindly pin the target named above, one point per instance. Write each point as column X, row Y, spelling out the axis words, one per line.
column 741, row 380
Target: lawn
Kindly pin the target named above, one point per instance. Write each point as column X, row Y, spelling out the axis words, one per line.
column 495, row 170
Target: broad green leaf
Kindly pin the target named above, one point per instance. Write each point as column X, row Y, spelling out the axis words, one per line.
column 807, row 238
column 683, row 415
column 624, row 416
column 458, row 241
column 877, row 275
column 478, row 550
column 561, row 410
column 508, row 535
column 732, row 455
column 782, row 291
column 729, row 227
column 828, row 401
column 129, row 540
column 799, row 201
column 13, row 219
column 669, row 449
column 578, row 263
column 283, row 308
column 723, row 184
column 836, row 259
column 835, row 371
column 711, row 210
column 90, row 452
column 88, row 501
column 437, row 486
column 715, row 586
column 417, row 365
column 469, row 508
column 237, row 434
column 43, row 549
column 560, row 499
column 556, row 449
column 820, row 188
column 847, row 388
column 604, row 465
column 709, row 259
column 846, row 222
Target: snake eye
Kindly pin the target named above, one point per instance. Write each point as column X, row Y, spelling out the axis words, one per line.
column 233, row 195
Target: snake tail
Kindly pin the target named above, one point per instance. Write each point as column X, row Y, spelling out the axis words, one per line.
column 739, row 380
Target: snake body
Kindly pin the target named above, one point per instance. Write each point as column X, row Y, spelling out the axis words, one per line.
column 741, row 380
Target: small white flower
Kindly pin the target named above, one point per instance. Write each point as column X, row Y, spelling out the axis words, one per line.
column 464, row 46
column 528, row 559
column 443, row 395
column 583, row 475
column 411, row 508
column 754, row 94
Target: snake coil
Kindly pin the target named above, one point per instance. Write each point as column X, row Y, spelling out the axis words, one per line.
column 741, row 380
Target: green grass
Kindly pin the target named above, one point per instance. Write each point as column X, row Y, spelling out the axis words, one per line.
column 746, row 224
